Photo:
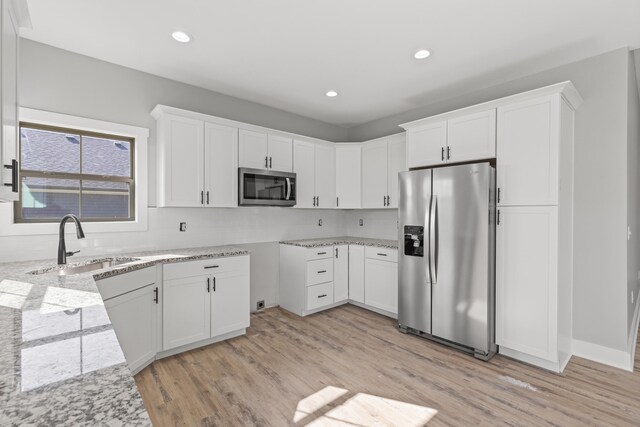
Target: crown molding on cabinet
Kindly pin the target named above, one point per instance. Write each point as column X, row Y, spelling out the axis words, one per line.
column 566, row 88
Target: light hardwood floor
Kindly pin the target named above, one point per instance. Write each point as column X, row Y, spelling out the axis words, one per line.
column 350, row 366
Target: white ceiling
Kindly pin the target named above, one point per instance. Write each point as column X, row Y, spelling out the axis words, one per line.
column 288, row 53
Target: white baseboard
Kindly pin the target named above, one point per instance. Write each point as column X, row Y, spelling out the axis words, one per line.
column 598, row 353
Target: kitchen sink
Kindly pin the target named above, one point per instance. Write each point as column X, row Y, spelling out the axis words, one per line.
column 98, row 264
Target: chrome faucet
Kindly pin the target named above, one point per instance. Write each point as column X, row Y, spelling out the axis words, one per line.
column 62, row 248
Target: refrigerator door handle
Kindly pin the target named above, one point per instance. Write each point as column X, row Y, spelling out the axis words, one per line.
column 433, row 240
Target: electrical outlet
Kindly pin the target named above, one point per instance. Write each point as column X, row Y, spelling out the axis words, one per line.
column 628, row 233
column 319, row 223
column 361, row 222
column 260, row 305
column 183, row 226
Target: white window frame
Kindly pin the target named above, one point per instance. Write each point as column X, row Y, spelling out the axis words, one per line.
column 141, row 136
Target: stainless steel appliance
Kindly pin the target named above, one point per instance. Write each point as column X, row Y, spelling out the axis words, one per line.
column 446, row 262
column 257, row 187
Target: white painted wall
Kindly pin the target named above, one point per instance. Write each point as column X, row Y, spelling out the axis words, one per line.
column 600, row 246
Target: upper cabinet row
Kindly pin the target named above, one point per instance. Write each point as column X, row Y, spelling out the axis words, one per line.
column 198, row 163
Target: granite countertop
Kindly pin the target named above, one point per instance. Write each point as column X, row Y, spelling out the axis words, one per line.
column 60, row 361
column 330, row 241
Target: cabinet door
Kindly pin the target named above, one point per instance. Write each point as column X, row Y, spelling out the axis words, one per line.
column 425, row 145
column 229, row 302
column 304, row 167
column 9, row 137
column 182, row 164
column 221, row 165
column 186, row 311
column 396, row 163
column 325, row 176
column 381, row 284
column 341, row 273
column 252, row 149
column 374, row 174
column 134, row 317
column 356, row 273
column 348, row 176
column 528, row 144
column 472, row 137
column 280, row 153
column 526, row 280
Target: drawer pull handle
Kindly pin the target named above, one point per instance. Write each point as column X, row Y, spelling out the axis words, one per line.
column 382, row 254
column 322, row 296
column 322, row 271
column 322, row 253
column 211, row 266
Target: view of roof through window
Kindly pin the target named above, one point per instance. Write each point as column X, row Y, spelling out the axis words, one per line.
column 69, row 171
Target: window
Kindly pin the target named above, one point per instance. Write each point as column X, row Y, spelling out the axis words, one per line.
column 65, row 170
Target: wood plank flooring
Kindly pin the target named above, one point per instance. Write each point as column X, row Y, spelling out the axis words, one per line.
column 349, row 366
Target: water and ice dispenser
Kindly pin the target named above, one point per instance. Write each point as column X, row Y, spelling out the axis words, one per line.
column 414, row 240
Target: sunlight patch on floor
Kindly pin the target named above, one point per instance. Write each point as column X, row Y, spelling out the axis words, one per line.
column 361, row 409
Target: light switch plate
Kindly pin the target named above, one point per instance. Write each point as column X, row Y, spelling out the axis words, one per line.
column 183, row 226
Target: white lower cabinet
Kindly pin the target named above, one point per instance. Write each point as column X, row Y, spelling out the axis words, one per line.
column 381, row 279
column 131, row 301
column 528, row 292
column 356, row 273
column 213, row 300
column 341, row 273
column 314, row 279
column 186, row 311
column 134, row 317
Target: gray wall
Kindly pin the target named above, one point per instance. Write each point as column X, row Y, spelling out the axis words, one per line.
column 600, row 263
column 56, row 80
column 633, row 190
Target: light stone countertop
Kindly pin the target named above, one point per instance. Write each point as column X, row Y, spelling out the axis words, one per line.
column 60, row 361
column 331, row 241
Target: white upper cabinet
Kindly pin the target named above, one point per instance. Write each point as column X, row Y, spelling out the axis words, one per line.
column 528, row 152
column 382, row 160
column 9, row 161
column 325, row 171
column 426, row 145
column 253, row 149
column 304, row 167
column 349, row 176
column 180, row 161
column 280, row 153
column 471, row 137
column 374, row 174
column 396, row 163
column 221, row 165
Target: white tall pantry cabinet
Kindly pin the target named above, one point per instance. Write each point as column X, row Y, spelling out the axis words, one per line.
column 534, row 233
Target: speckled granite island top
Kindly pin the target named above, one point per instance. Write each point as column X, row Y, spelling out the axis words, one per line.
column 60, row 361
column 330, row 241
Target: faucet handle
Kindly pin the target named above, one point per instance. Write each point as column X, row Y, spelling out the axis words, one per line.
column 72, row 253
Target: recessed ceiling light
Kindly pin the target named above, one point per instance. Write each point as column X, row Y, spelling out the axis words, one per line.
column 332, row 93
column 181, row 36
column 422, row 54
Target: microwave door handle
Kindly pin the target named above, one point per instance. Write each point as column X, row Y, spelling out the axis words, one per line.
column 288, row 188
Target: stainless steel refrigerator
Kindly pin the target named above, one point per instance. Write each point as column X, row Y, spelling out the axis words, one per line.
column 446, row 262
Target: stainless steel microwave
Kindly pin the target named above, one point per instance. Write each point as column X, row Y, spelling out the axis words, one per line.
column 258, row 187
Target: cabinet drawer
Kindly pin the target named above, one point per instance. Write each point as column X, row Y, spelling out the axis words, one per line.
column 319, row 253
column 319, row 271
column 383, row 254
column 204, row 267
column 319, row 295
